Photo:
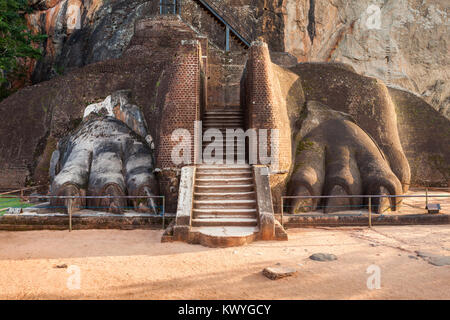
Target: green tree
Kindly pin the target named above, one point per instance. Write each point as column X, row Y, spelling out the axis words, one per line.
column 16, row 41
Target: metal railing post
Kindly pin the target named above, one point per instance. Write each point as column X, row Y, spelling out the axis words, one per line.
column 370, row 212
column 282, row 211
column 164, row 212
column 227, row 38
column 69, row 211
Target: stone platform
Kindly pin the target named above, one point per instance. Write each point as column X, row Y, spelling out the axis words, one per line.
column 87, row 219
column 41, row 219
column 343, row 220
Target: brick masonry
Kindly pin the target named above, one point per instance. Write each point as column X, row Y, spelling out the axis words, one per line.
column 264, row 110
column 182, row 107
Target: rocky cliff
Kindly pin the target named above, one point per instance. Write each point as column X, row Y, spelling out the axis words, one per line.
column 403, row 42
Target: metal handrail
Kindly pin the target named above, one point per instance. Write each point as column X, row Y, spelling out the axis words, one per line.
column 169, row 6
column 72, row 198
column 228, row 20
column 22, row 190
column 369, row 196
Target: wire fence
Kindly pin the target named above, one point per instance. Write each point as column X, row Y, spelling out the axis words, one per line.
column 71, row 204
column 378, row 204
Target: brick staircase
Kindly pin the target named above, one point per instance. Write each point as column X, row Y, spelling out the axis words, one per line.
column 224, row 201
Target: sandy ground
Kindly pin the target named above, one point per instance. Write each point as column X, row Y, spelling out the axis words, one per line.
column 135, row 264
column 417, row 205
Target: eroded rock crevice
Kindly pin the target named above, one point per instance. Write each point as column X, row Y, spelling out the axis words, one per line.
column 311, row 21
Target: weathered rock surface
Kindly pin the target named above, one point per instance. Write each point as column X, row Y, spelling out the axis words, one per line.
column 39, row 115
column 403, row 42
column 84, row 31
column 278, row 272
column 323, row 257
column 434, row 259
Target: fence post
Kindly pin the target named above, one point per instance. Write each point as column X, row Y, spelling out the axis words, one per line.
column 227, row 40
column 370, row 212
column 426, row 198
column 69, row 211
column 164, row 212
column 282, row 211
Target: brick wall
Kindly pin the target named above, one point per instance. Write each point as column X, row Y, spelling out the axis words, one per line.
column 182, row 102
column 264, row 109
column 182, row 107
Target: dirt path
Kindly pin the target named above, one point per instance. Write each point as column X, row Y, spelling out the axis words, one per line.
column 134, row 264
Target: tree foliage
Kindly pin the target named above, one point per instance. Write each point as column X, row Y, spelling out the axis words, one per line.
column 16, row 41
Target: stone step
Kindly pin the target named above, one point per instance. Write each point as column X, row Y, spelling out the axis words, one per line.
column 222, row 117
column 228, row 221
column 242, row 156
column 224, row 144
column 223, row 216
column 247, row 173
column 224, row 107
column 223, row 126
column 225, row 141
column 225, row 212
column 234, row 169
column 222, row 121
column 234, row 126
column 224, row 204
column 224, row 113
column 223, row 130
column 224, row 195
column 208, row 117
column 231, row 161
column 233, row 156
column 223, row 150
column 225, row 236
column 227, row 181
column 224, row 147
column 224, row 175
column 228, row 161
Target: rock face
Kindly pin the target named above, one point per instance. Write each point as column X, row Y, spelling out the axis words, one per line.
column 83, row 31
column 402, row 42
column 42, row 114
